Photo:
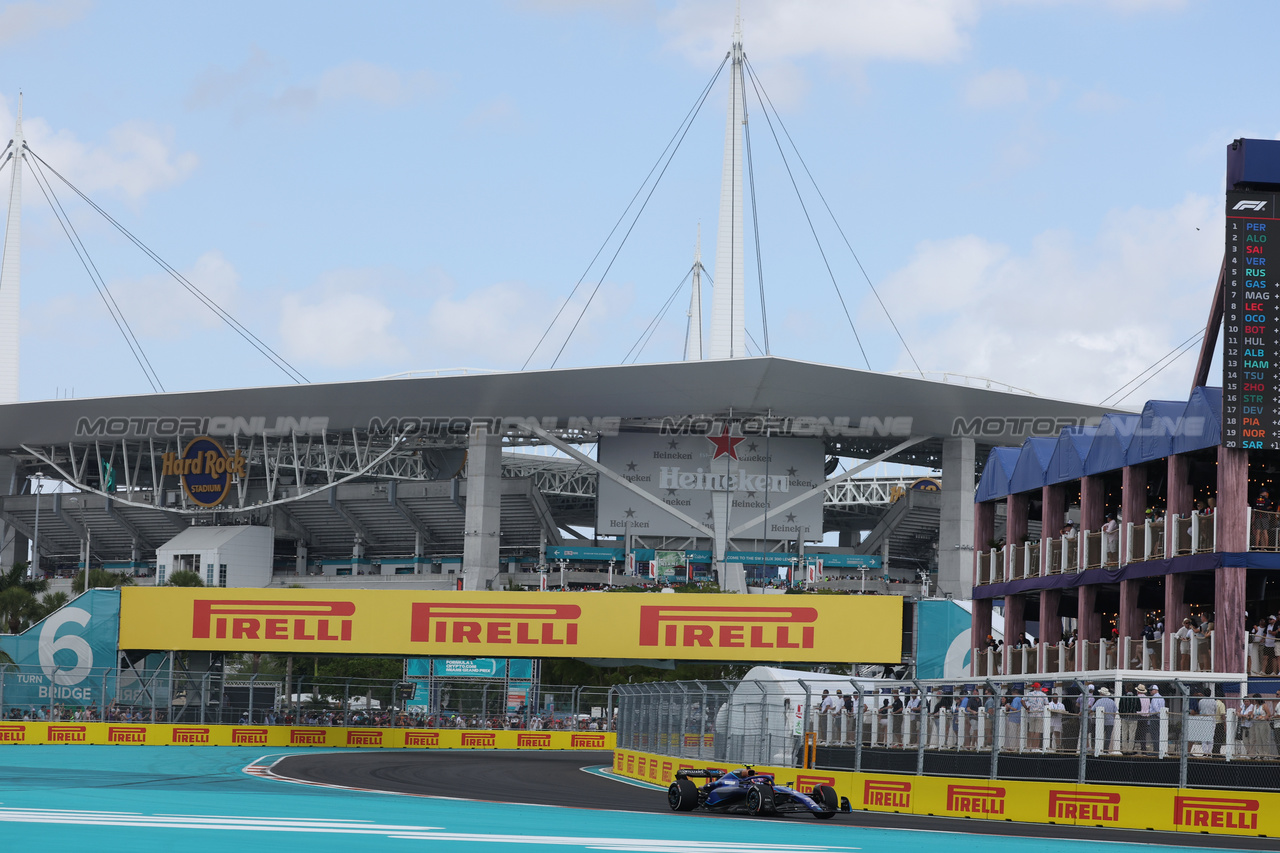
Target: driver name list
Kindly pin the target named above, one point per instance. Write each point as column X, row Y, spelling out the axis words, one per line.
column 1251, row 337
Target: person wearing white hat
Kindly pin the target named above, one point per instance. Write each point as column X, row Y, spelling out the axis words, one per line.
column 1108, row 706
column 1142, row 737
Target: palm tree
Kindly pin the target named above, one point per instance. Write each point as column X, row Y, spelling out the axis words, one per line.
column 184, row 578
column 18, row 597
column 50, row 602
column 99, row 578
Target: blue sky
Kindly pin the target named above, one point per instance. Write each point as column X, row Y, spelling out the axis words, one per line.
column 1035, row 187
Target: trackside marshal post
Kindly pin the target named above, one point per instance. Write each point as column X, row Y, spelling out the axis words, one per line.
column 796, row 628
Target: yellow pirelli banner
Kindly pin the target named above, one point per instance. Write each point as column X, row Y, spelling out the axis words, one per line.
column 858, row 628
column 1121, row 806
column 175, row 734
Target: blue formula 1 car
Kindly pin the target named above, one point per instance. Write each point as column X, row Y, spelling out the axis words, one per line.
column 747, row 792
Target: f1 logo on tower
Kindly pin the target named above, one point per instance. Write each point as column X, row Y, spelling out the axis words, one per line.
column 1250, row 205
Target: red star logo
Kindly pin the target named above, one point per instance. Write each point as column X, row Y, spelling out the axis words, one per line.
column 725, row 444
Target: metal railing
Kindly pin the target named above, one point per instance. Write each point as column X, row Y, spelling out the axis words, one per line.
column 1192, row 735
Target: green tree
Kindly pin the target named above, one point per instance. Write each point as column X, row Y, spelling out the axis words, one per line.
column 18, row 597
column 50, row 602
column 99, row 578
column 184, row 578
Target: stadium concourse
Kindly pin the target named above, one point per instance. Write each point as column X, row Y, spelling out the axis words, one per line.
column 445, row 481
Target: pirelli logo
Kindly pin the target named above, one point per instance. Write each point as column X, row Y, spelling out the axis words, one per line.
column 322, row 621
column 249, row 737
column 890, row 795
column 421, row 738
column 975, row 801
column 688, row 627
column 364, row 738
column 807, row 782
column 534, row 741
column 1084, row 805
column 67, row 734
column 126, row 734
column 498, row 624
column 619, row 761
column 479, row 739
column 587, row 742
column 307, row 737
column 13, row 734
column 1215, row 812
column 631, row 764
column 190, row 734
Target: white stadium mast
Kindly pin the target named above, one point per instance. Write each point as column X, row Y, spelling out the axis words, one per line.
column 728, row 320
column 693, row 335
column 10, row 267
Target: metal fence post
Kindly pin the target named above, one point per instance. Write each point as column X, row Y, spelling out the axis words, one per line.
column 702, row 718
column 1082, row 740
column 922, row 727
column 857, row 740
column 808, row 713
column 1184, row 697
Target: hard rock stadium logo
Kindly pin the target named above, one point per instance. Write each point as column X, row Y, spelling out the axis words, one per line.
column 728, row 627
column 205, row 469
column 322, row 621
column 499, row 624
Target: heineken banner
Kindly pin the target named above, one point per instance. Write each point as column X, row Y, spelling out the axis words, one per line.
column 682, row 471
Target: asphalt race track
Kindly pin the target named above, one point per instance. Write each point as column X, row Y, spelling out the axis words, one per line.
column 558, row 779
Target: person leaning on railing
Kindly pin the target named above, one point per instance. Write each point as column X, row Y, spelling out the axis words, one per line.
column 1262, row 510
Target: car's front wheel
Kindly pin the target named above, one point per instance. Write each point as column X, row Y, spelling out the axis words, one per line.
column 760, row 800
column 682, row 796
column 825, row 796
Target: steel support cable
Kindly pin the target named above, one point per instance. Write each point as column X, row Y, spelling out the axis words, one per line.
column 117, row 316
column 1190, row 346
column 657, row 318
column 755, row 225
column 812, row 230
column 834, row 221
column 687, row 118
column 253, row 340
column 653, row 327
column 634, row 220
column 1191, row 341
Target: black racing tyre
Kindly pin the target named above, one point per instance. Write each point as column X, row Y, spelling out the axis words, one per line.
column 825, row 796
column 760, row 800
column 682, row 796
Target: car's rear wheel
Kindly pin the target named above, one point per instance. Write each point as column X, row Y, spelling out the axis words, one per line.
column 682, row 796
column 760, row 800
column 825, row 796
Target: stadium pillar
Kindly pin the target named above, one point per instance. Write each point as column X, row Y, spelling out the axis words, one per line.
column 480, row 551
column 1053, row 505
column 1175, row 610
column 1092, row 498
column 1233, row 500
column 1133, row 506
column 15, row 545
column 981, row 630
column 1015, row 518
column 1088, row 623
column 1050, row 619
column 955, row 522
column 984, row 530
column 1015, row 623
column 1179, row 487
column 1130, row 617
column 1229, row 623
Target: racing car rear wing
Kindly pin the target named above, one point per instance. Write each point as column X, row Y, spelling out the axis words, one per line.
column 709, row 773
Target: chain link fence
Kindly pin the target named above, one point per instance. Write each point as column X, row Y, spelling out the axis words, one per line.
column 153, row 691
column 1174, row 733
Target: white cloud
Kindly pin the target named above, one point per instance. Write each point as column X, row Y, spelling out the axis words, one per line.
column 498, row 113
column 19, row 21
column 1000, row 87
column 137, row 158
column 1065, row 318
column 254, row 86
column 158, row 306
column 340, row 330
column 842, row 30
column 1100, row 101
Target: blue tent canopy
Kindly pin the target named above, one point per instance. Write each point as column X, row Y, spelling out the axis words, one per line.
column 1159, row 420
column 1202, row 422
column 1069, row 454
column 1033, row 460
column 995, row 476
column 1110, row 443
